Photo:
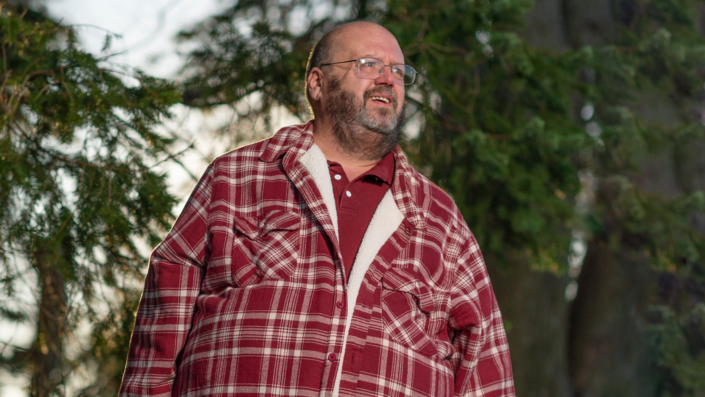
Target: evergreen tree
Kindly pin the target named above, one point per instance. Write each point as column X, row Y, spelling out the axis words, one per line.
column 78, row 145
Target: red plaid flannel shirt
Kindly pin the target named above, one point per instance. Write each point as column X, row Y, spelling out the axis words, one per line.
column 247, row 296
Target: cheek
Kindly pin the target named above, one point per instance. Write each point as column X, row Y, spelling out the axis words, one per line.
column 400, row 97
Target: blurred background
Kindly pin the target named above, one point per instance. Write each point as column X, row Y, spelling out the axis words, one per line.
column 570, row 134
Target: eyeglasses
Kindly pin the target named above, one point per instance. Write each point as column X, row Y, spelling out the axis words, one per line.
column 372, row 68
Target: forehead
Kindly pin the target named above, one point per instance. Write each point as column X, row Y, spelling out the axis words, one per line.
column 366, row 39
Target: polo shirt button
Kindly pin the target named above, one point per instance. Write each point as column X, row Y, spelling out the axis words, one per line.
column 347, row 193
column 337, row 177
column 340, row 304
column 332, row 357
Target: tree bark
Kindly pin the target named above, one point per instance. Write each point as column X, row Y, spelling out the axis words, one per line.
column 546, row 26
column 533, row 303
column 609, row 353
column 47, row 373
column 590, row 23
column 535, row 314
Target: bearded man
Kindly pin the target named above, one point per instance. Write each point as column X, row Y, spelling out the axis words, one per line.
column 318, row 262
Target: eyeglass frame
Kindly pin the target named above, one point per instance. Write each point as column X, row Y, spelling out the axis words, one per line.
column 359, row 62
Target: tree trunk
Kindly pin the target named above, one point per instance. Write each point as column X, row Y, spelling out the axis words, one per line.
column 533, row 303
column 546, row 26
column 47, row 374
column 535, row 315
column 609, row 353
column 590, row 23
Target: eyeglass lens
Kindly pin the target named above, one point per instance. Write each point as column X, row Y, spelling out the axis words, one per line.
column 372, row 68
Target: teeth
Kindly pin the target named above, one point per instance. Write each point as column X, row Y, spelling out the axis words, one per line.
column 379, row 98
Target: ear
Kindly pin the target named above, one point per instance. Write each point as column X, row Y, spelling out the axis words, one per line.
column 315, row 84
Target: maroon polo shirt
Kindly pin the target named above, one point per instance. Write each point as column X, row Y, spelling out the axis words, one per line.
column 357, row 201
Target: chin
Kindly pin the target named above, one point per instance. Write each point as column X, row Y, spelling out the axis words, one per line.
column 384, row 112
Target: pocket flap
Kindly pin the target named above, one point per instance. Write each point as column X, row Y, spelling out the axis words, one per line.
column 402, row 281
column 279, row 220
column 247, row 226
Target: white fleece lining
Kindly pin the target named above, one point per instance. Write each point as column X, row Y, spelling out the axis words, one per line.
column 316, row 164
column 385, row 221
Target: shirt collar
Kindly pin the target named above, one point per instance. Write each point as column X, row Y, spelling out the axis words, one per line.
column 298, row 137
column 405, row 183
column 384, row 169
column 410, row 191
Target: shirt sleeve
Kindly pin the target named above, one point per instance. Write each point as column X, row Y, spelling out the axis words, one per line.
column 482, row 362
column 167, row 305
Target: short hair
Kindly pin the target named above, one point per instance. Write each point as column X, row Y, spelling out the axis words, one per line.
column 320, row 54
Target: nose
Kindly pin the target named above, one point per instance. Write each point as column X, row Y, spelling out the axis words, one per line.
column 385, row 76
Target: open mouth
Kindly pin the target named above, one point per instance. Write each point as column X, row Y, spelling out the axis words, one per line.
column 380, row 99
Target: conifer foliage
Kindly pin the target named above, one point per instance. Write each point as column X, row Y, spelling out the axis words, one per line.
column 78, row 147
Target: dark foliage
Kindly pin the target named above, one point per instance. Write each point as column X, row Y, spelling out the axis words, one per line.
column 78, row 145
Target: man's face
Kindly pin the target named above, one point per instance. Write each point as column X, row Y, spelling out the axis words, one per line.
column 363, row 108
column 361, row 129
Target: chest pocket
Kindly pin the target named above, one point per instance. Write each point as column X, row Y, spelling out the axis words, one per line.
column 267, row 248
column 406, row 305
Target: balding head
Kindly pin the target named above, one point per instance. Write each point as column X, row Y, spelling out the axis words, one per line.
column 334, row 43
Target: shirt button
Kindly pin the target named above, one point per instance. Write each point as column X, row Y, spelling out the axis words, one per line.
column 340, row 304
column 332, row 357
column 347, row 193
column 337, row 177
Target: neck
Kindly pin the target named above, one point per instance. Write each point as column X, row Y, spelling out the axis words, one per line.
column 325, row 139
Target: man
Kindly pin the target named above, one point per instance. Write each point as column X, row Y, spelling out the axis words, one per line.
column 318, row 262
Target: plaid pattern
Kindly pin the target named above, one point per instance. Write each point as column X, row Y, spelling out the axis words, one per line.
column 247, row 296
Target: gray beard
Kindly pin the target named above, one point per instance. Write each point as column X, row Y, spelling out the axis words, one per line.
column 358, row 132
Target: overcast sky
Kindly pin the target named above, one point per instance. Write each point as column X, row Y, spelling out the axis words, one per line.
column 147, row 27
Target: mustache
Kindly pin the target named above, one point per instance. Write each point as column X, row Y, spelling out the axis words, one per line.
column 381, row 90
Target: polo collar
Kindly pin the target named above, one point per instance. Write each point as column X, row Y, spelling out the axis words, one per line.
column 411, row 194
